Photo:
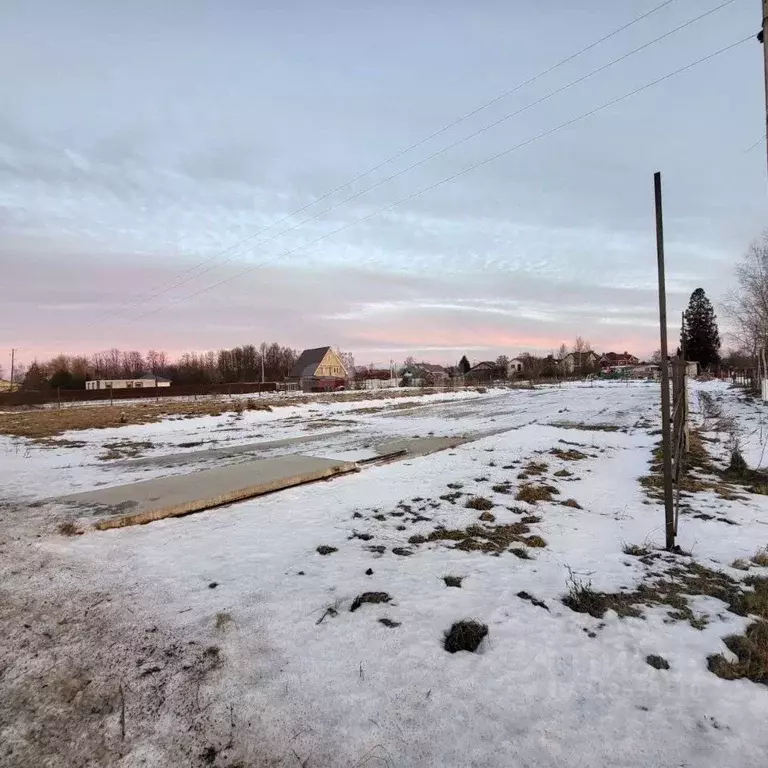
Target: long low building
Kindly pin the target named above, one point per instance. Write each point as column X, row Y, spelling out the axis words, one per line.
column 147, row 380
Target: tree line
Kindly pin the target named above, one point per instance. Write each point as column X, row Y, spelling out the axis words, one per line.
column 243, row 363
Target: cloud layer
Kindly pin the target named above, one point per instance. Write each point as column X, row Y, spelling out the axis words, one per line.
column 137, row 145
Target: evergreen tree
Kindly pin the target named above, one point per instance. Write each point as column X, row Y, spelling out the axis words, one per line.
column 699, row 337
column 464, row 365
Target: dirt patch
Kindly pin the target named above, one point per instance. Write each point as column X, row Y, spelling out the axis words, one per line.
column 324, row 549
column 572, row 503
column 531, row 493
column 657, row 662
column 453, row 581
column 531, row 599
column 69, row 529
column 369, row 597
column 389, row 623
column 487, row 517
column 124, row 449
column 465, row 636
column 563, row 473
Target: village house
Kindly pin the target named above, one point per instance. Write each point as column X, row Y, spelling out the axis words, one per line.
column 614, row 360
column 486, row 370
column 423, row 374
column 319, row 369
column 514, row 367
column 146, row 380
column 578, row 361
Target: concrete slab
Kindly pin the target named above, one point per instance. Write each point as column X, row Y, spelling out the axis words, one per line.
column 227, row 452
column 143, row 502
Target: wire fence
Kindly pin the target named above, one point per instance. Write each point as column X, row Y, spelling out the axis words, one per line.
column 680, row 430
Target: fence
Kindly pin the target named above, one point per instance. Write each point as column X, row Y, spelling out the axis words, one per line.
column 60, row 396
column 679, row 429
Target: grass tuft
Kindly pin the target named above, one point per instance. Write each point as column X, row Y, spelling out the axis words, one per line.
column 635, row 550
column 69, row 529
column 760, row 557
column 568, row 455
column 453, row 581
column 531, row 493
column 479, row 503
column 751, row 650
column 465, row 635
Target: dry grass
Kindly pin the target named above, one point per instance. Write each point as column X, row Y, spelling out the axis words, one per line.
column 453, row 581
column 535, row 468
column 491, row 539
column 586, row 427
column 465, row 636
column 572, row 503
column 570, row 455
column 124, row 449
column 635, row 550
column 49, row 422
column 478, row 503
column 673, row 590
column 740, row 564
column 751, row 649
column 69, row 529
column 760, row 557
column 531, row 493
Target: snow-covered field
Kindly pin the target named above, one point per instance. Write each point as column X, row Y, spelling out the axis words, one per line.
column 225, row 638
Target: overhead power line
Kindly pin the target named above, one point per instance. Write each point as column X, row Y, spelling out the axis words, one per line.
column 400, row 153
column 452, row 145
column 458, row 174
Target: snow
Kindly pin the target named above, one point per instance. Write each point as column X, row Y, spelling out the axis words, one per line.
column 348, row 691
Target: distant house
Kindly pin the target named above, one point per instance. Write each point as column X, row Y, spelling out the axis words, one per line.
column 423, row 374
column 514, row 366
column 5, row 385
column 487, row 370
column 146, row 380
column 615, row 359
column 319, row 369
column 574, row 361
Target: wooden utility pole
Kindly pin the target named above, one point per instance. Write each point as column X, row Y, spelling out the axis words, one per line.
column 13, row 360
column 763, row 37
column 666, row 437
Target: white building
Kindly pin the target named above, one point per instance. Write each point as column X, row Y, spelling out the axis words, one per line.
column 514, row 366
column 147, row 381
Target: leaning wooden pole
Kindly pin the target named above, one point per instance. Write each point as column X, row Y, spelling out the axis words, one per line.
column 666, row 437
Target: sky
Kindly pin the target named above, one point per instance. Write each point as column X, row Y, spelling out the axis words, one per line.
column 141, row 143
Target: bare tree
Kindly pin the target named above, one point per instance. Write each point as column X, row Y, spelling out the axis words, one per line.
column 533, row 367
column 656, row 357
column 747, row 306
